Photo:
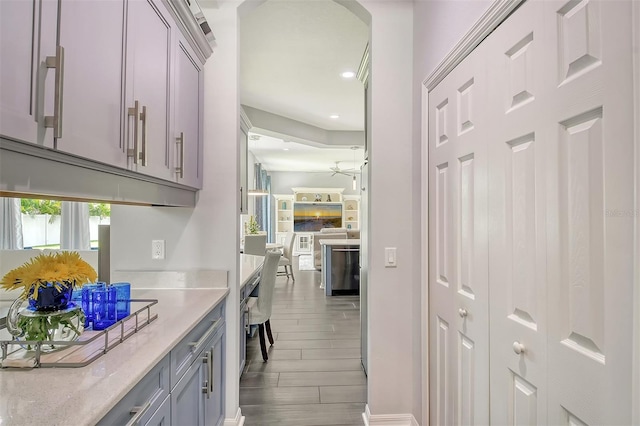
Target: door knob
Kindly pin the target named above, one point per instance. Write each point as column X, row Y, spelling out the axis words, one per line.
column 462, row 312
column 518, row 348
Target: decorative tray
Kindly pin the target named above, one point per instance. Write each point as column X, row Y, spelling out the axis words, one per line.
column 90, row 346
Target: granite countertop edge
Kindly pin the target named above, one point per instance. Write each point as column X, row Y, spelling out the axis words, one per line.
column 84, row 395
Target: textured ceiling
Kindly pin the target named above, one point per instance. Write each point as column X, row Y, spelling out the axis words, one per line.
column 291, row 55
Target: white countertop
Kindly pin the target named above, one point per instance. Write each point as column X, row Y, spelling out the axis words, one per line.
column 248, row 265
column 339, row 242
column 82, row 396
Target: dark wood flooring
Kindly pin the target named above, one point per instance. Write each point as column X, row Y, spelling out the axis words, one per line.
column 314, row 376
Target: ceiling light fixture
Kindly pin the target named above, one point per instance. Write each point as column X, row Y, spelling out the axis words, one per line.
column 285, row 149
column 354, row 184
column 348, row 74
column 334, row 116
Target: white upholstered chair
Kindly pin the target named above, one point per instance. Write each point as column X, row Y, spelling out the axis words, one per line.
column 287, row 255
column 255, row 244
column 260, row 307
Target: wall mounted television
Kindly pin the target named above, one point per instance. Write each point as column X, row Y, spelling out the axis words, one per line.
column 312, row 217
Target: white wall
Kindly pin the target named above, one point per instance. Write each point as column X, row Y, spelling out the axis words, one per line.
column 438, row 26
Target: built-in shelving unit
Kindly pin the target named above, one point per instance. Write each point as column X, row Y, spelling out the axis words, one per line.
column 284, row 216
column 351, row 212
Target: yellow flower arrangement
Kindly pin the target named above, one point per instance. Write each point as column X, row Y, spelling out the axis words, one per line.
column 57, row 268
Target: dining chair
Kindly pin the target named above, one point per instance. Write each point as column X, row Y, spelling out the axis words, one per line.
column 287, row 255
column 255, row 244
column 260, row 307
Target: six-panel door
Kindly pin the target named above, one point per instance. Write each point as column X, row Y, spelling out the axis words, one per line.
column 557, row 127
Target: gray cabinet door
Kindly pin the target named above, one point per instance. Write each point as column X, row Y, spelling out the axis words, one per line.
column 27, row 38
column 187, row 398
column 93, row 112
column 162, row 417
column 188, row 115
column 148, row 59
column 214, row 406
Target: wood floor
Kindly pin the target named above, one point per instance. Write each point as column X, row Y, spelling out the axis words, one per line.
column 314, row 375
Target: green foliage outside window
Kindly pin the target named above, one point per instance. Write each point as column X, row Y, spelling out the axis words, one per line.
column 54, row 208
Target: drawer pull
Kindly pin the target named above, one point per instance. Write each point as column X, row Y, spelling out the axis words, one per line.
column 196, row 346
column 138, row 413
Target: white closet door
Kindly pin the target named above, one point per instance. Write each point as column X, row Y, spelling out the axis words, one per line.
column 517, row 198
column 459, row 329
column 590, row 233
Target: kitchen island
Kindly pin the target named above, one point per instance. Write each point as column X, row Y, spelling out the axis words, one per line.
column 83, row 396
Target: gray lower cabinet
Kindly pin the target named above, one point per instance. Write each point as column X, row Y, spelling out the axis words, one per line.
column 186, row 388
column 162, row 417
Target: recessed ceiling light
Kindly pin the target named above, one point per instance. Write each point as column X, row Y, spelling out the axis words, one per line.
column 334, row 116
column 285, row 149
column 348, row 74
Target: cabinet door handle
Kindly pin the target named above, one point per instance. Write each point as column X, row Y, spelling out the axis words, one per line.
column 196, row 345
column 138, row 412
column 55, row 120
column 143, row 152
column 211, row 370
column 135, row 113
column 208, row 387
column 180, row 168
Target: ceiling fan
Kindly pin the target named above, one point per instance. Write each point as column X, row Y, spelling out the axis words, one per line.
column 337, row 170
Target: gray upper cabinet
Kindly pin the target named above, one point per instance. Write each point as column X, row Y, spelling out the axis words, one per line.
column 116, row 82
column 27, row 38
column 91, row 34
column 189, row 79
column 148, row 72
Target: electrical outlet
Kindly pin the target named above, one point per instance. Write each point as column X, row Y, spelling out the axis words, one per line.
column 157, row 249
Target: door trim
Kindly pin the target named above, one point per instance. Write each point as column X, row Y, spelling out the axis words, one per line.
column 495, row 14
column 635, row 415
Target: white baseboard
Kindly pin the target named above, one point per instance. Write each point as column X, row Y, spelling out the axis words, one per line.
column 238, row 420
column 388, row 419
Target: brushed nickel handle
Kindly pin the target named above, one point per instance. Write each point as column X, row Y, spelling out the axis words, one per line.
column 196, row 345
column 206, row 388
column 211, row 371
column 518, row 348
column 143, row 152
column 135, row 113
column 138, row 413
column 55, row 120
column 180, row 169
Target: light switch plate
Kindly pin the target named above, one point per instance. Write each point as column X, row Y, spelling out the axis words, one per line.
column 390, row 257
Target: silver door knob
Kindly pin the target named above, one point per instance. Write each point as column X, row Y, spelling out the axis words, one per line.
column 518, row 348
column 462, row 312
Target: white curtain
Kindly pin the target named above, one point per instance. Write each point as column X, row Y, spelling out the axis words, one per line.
column 10, row 224
column 74, row 226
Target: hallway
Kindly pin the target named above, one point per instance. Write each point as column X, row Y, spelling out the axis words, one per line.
column 314, row 375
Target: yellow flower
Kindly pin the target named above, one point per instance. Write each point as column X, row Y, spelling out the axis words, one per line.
column 63, row 267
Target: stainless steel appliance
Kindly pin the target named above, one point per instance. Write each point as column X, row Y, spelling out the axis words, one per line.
column 345, row 270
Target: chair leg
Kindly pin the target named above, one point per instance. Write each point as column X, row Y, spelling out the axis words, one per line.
column 263, row 346
column 267, row 326
column 293, row 278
